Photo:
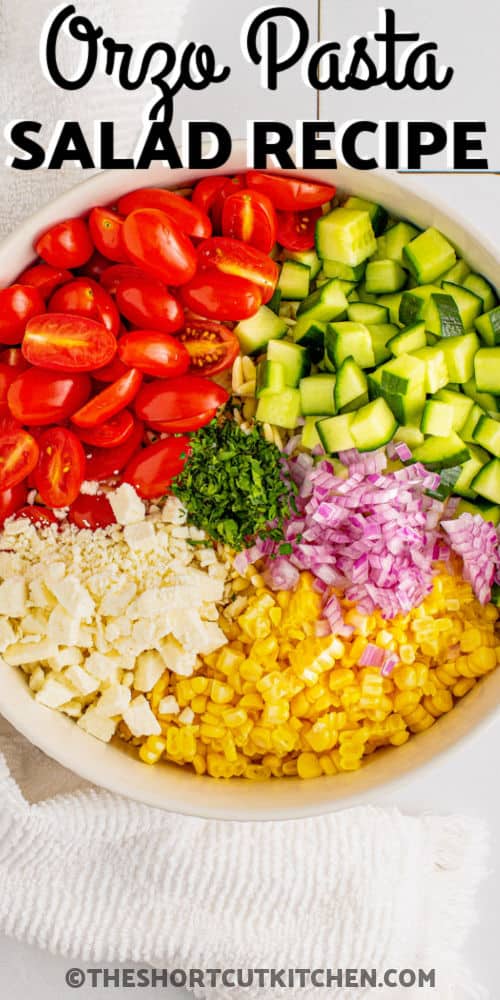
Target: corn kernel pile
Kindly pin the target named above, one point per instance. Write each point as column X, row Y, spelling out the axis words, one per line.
column 279, row 701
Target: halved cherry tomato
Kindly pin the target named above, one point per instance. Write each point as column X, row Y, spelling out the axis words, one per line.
column 14, row 358
column 232, row 184
column 115, row 273
column 206, row 191
column 212, row 347
column 111, row 372
column 290, row 194
column 114, row 432
column 106, row 230
column 249, row 216
column 60, row 341
column 296, row 230
column 183, row 213
column 60, row 471
column 45, row 278
column 91, row 512
column 156, row 244
column 18, row 457
column 221, row 296
column 107, row 463
column 151, row 471
column 67, row 244
column 188, row 402
column 41, row 397
column 146, row 302
column 153, row 353
column 95, row 267
column 110, row 401
column 37, row 515
column 11, row 500
column 235, row 258
column 84, row 297
column 7, row 376
column 18, row 304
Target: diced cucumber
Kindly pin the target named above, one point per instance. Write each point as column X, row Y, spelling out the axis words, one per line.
column 293, row 357
column 345, row 235
column 461, row 406
column 373, row 426
column 390, row 244
column 367, row 313
column 487, row 434
column 334, row 269
column 283, row 409
column 477, row 284
column 384, row 277
column 409, row 340
column 377, row 213
column 353, row 296
column 442, row 452
column 351, row 387
column 374, row 380
column 489, row 512
column 325, row 304
column 459, row 353
column 469, row 305
column 335, row 433
column 436, row 372
column 478, row 458
column 403, row 373
column 326, row 365
column 413, row 304
column 410, row 435
column 437, row 418
column 275, row 301
column 484, row 399
column 317, row 395
column 487, row 481
column 442, row 316
column 487, row 370
column 310, row 437
column 294, row 280
column 270, row 378
column 488, row 327
column 447, row 480
column 365, row 297
column 344, row 340
column 431, row 339
column 310, row 334
column 307, row 257
column 392, row 302
column 457, row 273
column 380, row 335
column 429, row 255
column 467, row 431
column 255, row 333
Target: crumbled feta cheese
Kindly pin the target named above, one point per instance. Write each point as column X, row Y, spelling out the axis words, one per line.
column 105, row 668
column 82, row 681
column 127, row 507
column 7, row 635
column 173, row 511
column 54, row 693
column 66, row 656
column 150, row 667
column 140, row 719
column 74, row 598
column 62, row 627
column 117, row 598
column 89, row 488
column 97, row 725
column 179, row 660
column 140, row 536
column 21, row 653
column 113, row 701
column 13, row 597
column 168, row 706
column 187, row 716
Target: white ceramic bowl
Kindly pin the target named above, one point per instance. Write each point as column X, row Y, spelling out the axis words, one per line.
column 170, row 787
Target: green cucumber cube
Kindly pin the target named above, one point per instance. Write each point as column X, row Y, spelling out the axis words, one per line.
column 429, row 255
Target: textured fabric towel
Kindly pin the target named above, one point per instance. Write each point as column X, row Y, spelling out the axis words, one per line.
column 103, row 879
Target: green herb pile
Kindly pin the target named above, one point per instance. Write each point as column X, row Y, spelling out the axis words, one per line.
column 234, row 485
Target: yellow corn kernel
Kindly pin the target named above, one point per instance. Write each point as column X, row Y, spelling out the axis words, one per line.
column 284, row 739
column 200, row 684
column 405, row 678
column 274, row 764
column 257, row 772
column 159, row 690
column 463, row 686
column 209, row 732
column 321, row 737
column 398, row 739
column 327, row 765
column 275, row 713
column 308, row 766
column 199, row 764
column 229, row 748
column 221, row 694
column 407, row 653
column 199, row 704
column 151, row 751
column 406, row 701
column 234, row 717
column 470, row 640
column 253, row 702
column 482, row 660
column 261, row 738
column 340, row 678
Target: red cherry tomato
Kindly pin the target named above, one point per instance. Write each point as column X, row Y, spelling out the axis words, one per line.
column 250, row 217
column 116, row 273
column 232, row 184
column 84, row 297
column 18, row 304
column 95, row 267
column 206, row 191
column 188, row 401
column 13, row 357
column 221, row 296
column 107, row 463
column 67, row 244
column 44, row 278
column 41, row 397
column 18, row 457
column 111, row 372
column 106, row 230
column 290, row 194
column 7, row 376
column 60, row 471
column 146, row 303
column 212, row 347
column 91, row 512
column 37, row 515
column 183, row 213
column 110, row 434
column 11, row 500
column 153, row 353
column 59, row 341
column 296, row 230
column 156, row 244
column 232, row 257
column 110, row 401
column 151, row 471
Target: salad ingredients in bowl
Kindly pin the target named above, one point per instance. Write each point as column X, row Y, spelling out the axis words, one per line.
column 249, row 476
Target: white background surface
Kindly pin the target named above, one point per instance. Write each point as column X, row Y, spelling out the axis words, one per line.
column 467, row 781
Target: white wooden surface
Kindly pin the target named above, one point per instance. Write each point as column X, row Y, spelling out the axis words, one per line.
column 467, row 781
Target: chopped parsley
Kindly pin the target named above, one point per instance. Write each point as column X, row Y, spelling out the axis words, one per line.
column 235, row 486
